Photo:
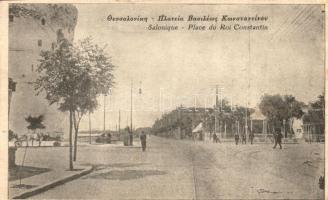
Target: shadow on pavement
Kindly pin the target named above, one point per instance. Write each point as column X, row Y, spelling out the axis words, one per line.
column 128, row 147
column 23, row 186
column 24, row 172
column 125, row 174
column 98, row 167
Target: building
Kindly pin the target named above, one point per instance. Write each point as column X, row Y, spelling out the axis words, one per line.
column 33, row 28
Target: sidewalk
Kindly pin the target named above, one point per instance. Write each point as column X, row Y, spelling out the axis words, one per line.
column 44, row 168
column 40, row 183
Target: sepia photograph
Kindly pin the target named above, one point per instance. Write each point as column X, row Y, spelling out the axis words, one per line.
column 165, row 101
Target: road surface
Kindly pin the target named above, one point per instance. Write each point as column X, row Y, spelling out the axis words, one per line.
column 172, row 169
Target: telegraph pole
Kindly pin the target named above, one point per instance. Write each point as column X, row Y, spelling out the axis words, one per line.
column 119, row 122
column 249, row 84
column 89, row 127
column 216, row 106
column 104, row 113
column 131, row 135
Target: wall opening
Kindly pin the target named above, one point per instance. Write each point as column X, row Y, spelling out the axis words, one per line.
column 60, row 35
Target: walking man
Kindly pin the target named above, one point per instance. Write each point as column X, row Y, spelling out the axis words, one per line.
column 243, row 138
column 236, row 138
column 277, row 138
column 143, row 139
column 251, row 137
column 215, row 138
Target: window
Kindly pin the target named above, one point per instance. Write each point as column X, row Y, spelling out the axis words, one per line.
column 11, row 18
column 32, row 68
column 40, row 43
column 299, row 130
column 43, row 21
column 60, row 35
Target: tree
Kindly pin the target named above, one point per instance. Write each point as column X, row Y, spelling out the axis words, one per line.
column 73, row 76
column 11, row 135
column 35, row 123
column 316, row 113
column 279, row 109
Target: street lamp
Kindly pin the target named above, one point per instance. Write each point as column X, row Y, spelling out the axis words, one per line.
column 109, row 93
column 140, row 92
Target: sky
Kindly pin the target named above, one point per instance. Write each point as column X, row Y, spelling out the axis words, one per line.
column 182, row 67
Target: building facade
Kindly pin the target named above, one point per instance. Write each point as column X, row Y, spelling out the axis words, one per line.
column 33, row 28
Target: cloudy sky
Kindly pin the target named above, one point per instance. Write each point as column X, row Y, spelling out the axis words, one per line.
column 183, row 67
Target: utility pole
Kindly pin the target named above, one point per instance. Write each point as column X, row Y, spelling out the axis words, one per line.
column 221, row 110
column 119, row 122
column 249, row 83
column 131, row 134
column 89, row 127
column 216, row 106
column 221, row 99
column 109, row 124
column 104, row 113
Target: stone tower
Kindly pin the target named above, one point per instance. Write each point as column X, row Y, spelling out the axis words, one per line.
column 32, row 28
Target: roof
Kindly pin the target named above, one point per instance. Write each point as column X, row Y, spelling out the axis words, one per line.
column 257, row 115
column 198, row 128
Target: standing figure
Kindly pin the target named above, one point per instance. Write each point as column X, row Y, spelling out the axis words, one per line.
column 40, row 137
column 130, row 137
column 143, row 139
column 277, row 138
column 236, row 138
column 251, row 137
column 215, row 138
column 243, row 138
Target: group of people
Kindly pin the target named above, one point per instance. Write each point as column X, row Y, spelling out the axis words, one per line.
column 277, row 135
column 243, row 138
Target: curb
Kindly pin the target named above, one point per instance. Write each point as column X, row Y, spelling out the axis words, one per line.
column 47, row 186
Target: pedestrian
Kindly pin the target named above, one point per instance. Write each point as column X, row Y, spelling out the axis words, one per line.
column 251, row 137
column 236, row 138
column 130, row 137
column 40, row 137
column 143, row 139
column 243, row 138
column 215, row 138
column 277, row 138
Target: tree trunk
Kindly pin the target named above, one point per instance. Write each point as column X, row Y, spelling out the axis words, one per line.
column 70, row 140
column 76, row 123
column 75, row 143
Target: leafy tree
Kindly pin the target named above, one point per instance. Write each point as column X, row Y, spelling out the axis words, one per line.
column 73, row 76
column 316, row 113
column 187, row 118
column 278, row 108
column 35, row 123
column 11, row 135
